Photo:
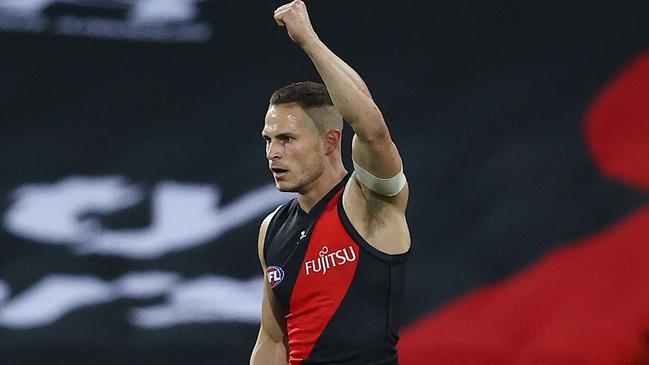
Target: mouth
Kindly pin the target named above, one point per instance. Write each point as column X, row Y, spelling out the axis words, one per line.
column 278, row 171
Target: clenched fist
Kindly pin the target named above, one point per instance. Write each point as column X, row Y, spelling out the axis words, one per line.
column 295, row 18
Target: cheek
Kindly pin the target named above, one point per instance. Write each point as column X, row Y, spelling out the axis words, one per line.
column 299, row 151
column 306, row 150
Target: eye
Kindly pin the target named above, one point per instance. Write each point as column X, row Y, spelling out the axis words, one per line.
column 285, row 139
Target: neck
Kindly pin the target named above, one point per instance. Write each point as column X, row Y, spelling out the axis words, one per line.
column 319, row 188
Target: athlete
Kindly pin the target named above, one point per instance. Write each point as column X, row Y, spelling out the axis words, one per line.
column 334, row 256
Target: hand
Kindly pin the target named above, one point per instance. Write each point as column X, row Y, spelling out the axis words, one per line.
column 295, row 18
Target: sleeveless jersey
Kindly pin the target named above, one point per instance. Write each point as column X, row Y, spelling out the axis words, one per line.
column 342, row 296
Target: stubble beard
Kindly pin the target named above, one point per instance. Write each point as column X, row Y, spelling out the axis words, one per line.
column 306, row 178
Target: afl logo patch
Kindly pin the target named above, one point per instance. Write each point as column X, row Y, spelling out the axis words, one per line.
column 275, row 275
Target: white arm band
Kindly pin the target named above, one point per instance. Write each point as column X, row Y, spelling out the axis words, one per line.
column 387, row 187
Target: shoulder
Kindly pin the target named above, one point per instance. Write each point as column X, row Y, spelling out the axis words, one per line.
column 261, row 240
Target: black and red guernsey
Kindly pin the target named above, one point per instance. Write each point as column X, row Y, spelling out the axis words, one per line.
column 342, row 296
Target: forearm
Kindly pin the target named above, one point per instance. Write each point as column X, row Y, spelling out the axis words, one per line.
column 347, row 90
column 268, row 352
column 372, row 146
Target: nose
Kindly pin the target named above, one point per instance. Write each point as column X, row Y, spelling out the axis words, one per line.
column 273, row 151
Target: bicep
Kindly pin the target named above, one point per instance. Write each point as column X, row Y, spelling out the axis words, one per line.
column 378, row 155
column 261, row 239
column 271, row 341
column 272, row 320
column 380, row 158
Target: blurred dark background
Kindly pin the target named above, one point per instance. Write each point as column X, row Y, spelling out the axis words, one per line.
column 121, row 120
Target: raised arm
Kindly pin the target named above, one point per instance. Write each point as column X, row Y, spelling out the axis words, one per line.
column 271, row 347
column 372, row 147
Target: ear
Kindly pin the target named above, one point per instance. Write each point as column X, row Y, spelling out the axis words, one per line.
column 332, row 140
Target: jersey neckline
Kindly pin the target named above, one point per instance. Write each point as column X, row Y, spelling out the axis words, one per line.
column 322, row 203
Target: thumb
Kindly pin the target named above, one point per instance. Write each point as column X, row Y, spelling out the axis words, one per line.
column 279, row 19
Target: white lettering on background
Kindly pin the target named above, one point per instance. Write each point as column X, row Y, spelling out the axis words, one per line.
column 145, row 20
column 183, row 215
column 201, row 300
column 53, row 297
column 328, row 260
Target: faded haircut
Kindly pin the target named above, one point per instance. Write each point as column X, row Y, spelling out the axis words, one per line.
column 308, row 94
column 314, row 98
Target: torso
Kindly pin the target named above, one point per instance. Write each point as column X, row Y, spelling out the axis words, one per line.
column 341, row 294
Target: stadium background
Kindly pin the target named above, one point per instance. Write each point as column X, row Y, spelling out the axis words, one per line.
column 134, row 178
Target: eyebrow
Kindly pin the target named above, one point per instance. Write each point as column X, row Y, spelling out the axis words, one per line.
column 280, row 136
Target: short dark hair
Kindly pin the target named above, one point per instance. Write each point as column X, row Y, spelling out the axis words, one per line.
column 307, row 94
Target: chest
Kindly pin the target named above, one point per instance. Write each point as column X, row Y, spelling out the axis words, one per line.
column 310, row 258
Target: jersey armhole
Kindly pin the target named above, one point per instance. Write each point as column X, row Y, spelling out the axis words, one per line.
column 349, row 227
